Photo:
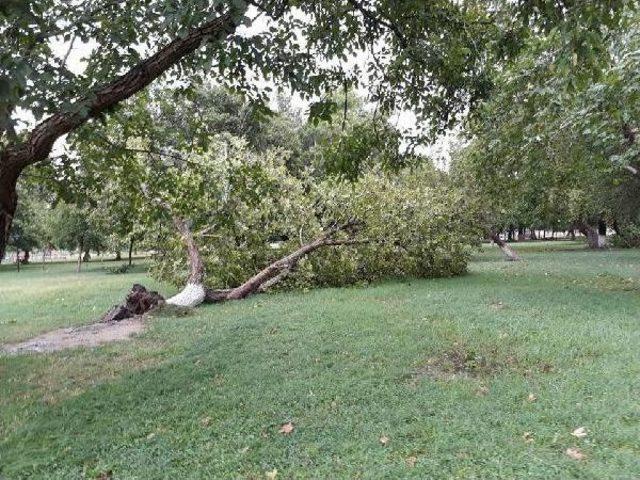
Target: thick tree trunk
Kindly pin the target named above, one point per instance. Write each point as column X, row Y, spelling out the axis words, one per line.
column 595, row 240
column 9, row 173
column 25, row 257
column 533, row 234
column 193, row 294
column 118, row 256
column 18, row 258
column 508, row 252
column 38, row 143
column 521, row 234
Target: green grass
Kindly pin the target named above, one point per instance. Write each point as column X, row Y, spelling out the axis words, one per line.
column 204, row 396
column 34, row 300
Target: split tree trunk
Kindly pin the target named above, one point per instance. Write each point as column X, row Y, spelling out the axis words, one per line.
column 193, row 294
column 508, row 252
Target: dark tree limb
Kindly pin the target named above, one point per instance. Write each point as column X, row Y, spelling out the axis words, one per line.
column 39, row 142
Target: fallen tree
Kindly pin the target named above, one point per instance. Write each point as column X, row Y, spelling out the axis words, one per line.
column 140, row 300
column 242, row 234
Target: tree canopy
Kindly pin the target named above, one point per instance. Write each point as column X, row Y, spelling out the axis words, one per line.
column 432, row 58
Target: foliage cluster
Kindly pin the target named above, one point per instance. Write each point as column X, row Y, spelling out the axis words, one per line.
column 555, row 146
column 247, row 210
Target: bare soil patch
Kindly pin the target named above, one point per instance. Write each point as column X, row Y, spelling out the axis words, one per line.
column 85, row 336
column 462, row 362
column 459, row 362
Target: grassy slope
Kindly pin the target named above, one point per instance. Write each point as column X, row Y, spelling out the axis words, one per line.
column 204, row 396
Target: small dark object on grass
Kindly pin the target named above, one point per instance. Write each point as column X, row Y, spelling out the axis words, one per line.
column 138, row 301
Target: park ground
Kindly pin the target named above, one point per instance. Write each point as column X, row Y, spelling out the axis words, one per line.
column 488, row 375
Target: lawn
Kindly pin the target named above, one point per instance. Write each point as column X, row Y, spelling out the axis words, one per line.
column 481, row 376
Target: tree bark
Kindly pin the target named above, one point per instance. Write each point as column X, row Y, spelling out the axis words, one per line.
column 38, row 143
column 193, row 294
column 279, row 269
column 594, row 239
column 9, row 173
column 508, row 252
column 130, row 249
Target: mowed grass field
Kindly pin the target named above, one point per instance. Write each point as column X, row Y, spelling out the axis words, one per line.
column 483, row 376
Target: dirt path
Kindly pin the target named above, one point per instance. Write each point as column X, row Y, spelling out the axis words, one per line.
column 86, row 336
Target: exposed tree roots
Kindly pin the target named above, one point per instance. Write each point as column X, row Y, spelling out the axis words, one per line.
column 137, row 302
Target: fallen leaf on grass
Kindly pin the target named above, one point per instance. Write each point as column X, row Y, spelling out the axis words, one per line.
column 532, row 398
column 286, row 428
column 482, row 391
column 527, row 437
column 580, row 432
column 575, row 453
column 272, row 474
column 205, row 421
column 384, row 440
column 411, row 461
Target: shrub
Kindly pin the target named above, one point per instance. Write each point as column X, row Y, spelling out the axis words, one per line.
column 628, row 238
column 120, row 269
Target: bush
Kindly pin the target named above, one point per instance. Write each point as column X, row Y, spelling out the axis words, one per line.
column 120, row 269
column 629, row 237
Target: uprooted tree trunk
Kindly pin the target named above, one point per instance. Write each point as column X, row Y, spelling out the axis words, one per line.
column 193, row 294
column 508, row 252
column 138, row 301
